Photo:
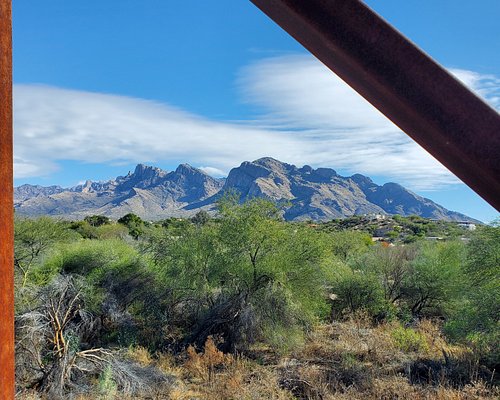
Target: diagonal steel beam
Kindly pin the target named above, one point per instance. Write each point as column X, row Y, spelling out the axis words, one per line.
column 412, row 90
column 6, row 207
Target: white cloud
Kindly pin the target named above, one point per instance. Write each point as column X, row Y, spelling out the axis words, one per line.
column 299, row 92
column 215, row 172
column 485, row 86
column 58, row 124
column 309, row 117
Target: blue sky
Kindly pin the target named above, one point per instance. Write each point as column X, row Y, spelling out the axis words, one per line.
column 101, row 85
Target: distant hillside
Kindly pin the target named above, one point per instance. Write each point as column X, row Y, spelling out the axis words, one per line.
column 399, row 229
column 312, row 194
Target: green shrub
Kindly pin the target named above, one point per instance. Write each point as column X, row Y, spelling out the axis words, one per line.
column 97, row 220
column 475, row 321
column 409, row 340
column 134, row 224
column 348, row 244
column 249, row 271
column 432, row 281
column 33, row 239
column 283, row 340
column 357, row 290
column 91, row 256
column 111, row 231
column 107, row 385
column 84, row 229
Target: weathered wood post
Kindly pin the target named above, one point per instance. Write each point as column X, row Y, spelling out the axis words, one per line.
column 6, row 207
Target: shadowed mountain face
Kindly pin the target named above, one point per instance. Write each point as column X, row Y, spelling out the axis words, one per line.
column 310, row 194
column 148, row 192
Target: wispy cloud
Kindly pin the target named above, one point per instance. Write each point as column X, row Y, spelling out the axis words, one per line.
column 309, row 116
column 300, row 92
column 486, row 86
column 218, row 173
column 53, row 124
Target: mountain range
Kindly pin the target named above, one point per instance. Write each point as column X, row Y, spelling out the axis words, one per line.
column 153, row 194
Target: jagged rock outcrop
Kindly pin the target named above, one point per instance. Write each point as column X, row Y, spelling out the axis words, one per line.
column 316, row 194
column 149, row 192
column 152, row 193
column 395, row 199
column 25, row 192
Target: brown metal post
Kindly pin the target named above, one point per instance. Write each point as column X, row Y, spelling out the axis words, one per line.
column 405, row 84
column 6, row 207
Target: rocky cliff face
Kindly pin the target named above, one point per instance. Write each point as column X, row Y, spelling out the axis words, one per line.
column 310, row 194
column 25, row 192
column 148, row 192
column 395, row 199
column 316, row 194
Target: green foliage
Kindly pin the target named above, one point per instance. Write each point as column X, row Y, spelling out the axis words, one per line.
column 420, row 280
column 97, row 220
column 129, row 219
column 134, row 224
column 91, row 257
column 283, row 340
column 246, row 276
column 433, row 278
column 200, row 218
column 175, row 224
column 224, row 271
column 397, row 228
column 349, row 244
column 483, row 256
column 32, row 239
column 476, row 320
column 111, row 231
column 357, row 290
column 391, row 266
column 267, row 250
column 392, row 234
column 84, row 229
column 120, row 286
column 409, row 340
column 107, row 385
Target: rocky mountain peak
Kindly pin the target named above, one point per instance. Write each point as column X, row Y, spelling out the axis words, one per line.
column 274, row 165
column 87, row 186
column 362, row 181
column 152, row 193
column 142, row 172
column 326, row 173
column 269, row 162
column 186, row 169
column 198, row 183
column 26, row 191
column 242, row 177
column 144, row 176
column 306, row 169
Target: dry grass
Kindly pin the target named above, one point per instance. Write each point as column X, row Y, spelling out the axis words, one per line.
column 347, row 360
column 140, row 355
column 343, row 360
column 355, row 360
column 213, row 375
column 205, row 364
column 28, row 395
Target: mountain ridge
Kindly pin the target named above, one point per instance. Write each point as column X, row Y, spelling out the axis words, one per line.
column 319, row 194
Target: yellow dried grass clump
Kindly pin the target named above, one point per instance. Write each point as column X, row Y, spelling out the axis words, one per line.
column 140, row 355
column 204, row 364
column 348, row 360
column 218, row 376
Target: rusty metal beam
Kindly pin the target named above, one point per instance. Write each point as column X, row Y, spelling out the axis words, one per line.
column 412, row 90
column 6, row 208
